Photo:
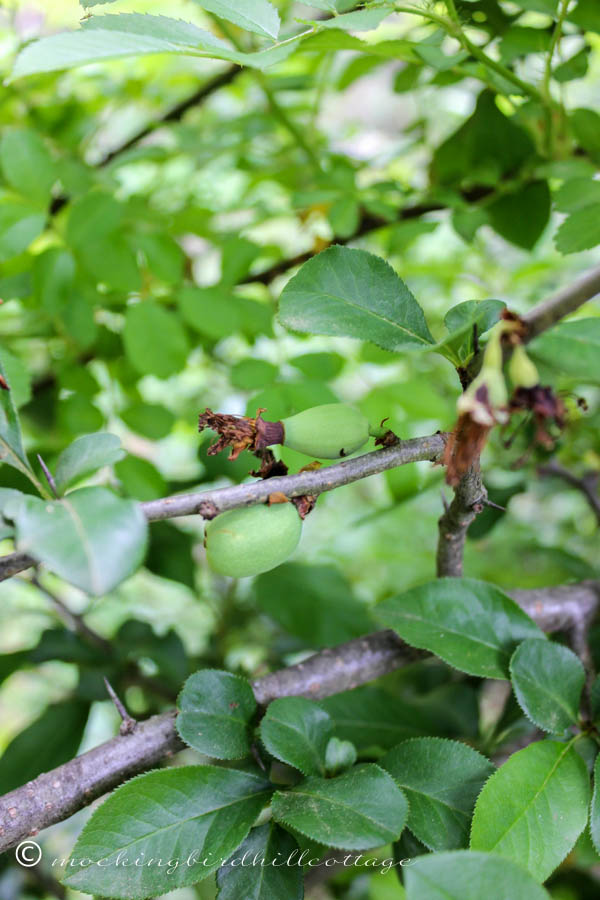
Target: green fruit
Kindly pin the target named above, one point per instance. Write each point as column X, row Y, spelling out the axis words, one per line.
column 252, row 540
column 326, row 432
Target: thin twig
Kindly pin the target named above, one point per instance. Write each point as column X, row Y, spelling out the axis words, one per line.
column 48, row 476
column 73, row 620
column 128, row 723
column 470, row 496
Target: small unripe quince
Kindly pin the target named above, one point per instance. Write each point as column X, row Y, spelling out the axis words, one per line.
column 326, row 432
column 255, row 539
column 521, row 369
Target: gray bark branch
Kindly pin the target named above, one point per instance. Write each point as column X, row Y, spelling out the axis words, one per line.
column 56, row 795
column 469, row 498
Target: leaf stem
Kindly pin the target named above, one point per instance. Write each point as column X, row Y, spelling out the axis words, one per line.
column 546, row 92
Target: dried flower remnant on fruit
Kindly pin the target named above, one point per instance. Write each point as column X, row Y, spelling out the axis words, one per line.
column 239, row 432
column 547, row 408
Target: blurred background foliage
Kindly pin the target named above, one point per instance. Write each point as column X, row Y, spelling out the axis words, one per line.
column 142, row 299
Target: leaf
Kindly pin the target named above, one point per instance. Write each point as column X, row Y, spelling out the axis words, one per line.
column 548, row 679
column 360, row 809
column 258, row 16
column 215, row 710
column 469, row 624
column 314, row 603
column 572, row 346
column 339, row 756
column 84, row 456
column 586, row 14
column 296, row 731
column 574, row 67
column 27, row 164
column 352, row 293
column 586, row 128
column 580, row 231
column 92, row 538
column 371, row 717
column 140, row 479
column 261, row 872
column 535, row 806
column 359, row 20
column 577, row 193
column 595, row 807
column 20, row 224
column 11, row 441
column 154, row 339
column 464, row 875
column 462, row 321
column 442, row 780
column 50, row 741
column 199, row 814
column 521, row 217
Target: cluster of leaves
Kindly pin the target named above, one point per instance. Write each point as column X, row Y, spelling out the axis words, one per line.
column 446, row 793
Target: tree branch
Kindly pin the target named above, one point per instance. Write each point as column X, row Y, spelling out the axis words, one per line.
column 470, row 496
column 56, row 795
column 587, row 484
column 559, row 305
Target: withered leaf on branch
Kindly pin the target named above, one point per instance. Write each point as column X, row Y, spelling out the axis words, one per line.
column 239, row 432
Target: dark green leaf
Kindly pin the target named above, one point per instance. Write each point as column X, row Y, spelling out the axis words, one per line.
column 263, row 868
column 521, row 217
column 469, row 624
column 140, row 479
column 314, row 603
column 464, row 875
column 595, row 808
column 91, row 538
column 442, row 780
column 573, row 68
column 215, row 709
column 533, row 809
column 50, row 741
column 11, row 441
column 84, row 456
column 353, row 293
column 195, row 813
column 360, row 809
column 548, row 680
column 296, row 731
column 586, row 128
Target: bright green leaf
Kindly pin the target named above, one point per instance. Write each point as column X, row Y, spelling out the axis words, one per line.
column 20, row 224
column 533, row 809
column 464, row 875
column 27, row 164
column 353, row 293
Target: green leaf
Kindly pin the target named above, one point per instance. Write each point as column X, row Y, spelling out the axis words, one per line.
column 140, row 479
column 53, row 279
column 464, row 875
column 11, row 441
column 371, row 717
column 462, row 321
column 27, row 164
column 84, row 456
column 580, row 231
column 573, row 347
column 442, row 780
column 149, row 419
column 154, row 340
column 360, row 809
column 314, row 603
column 258, row 16
column 586, row 14
column 574, row 67
column 92, row 539
column 586, row 128
column 211, row 311
column 535, row 806
column 352, row 293
column 258, row 870
column 296, row 731
column 250, row 374
column 195, row 813
column 522, row 216
column 469, row 624
column 20, row 224
column 548, row 679
column 17, row 376
column 595, row 807
column 215, row 709
column 577, row 193
column 519, row 41
column 359, row 20
column 50, row 741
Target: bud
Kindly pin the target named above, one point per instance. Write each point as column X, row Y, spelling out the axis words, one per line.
column 248, row 541
column 521, row 369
